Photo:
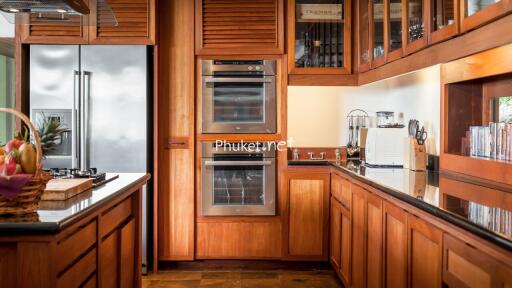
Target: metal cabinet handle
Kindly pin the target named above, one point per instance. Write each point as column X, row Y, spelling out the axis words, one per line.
column 233, row 80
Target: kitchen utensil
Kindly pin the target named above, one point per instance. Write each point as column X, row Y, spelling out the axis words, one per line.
column 421, row 136
column 413, row 127
column 357, row 119
column 385, row 119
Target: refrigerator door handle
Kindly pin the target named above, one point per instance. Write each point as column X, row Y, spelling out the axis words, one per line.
column 75, row 130
column 84, row 120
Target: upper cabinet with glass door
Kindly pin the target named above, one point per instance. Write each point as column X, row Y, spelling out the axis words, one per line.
column 319, row 37
column 416, row 23
column 394, row 22
column 475, row 13
column 363, row 35
column 377, row 28
column 444, row 16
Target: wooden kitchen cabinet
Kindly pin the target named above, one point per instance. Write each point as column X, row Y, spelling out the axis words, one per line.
column 127, row 22
column 444, row 20
column 425, row 253
column 35, row 30
column 341, row 240
column 319, row 37
column 465, row 266
column 341, row 190
column 416, row 15
column 474, row 13
column 378, row 33
column 234, row 27
column 367, row 238
column 174, row 149
column 395, row 246
column 308, row 216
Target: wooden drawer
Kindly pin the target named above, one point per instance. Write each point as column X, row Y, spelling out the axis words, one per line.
column 115, row 216
column 465, row 266
column 76, row 244
column 341, row 190
column 79, row 273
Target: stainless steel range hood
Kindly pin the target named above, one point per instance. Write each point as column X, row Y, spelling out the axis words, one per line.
column 45, row 6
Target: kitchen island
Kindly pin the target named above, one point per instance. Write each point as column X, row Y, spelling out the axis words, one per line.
column 93, row 239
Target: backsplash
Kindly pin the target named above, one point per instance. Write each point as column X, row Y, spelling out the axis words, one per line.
column 317, row 115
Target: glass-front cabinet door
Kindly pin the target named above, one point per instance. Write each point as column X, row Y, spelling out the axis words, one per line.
column 363, row 35
column 377, row 33
column 478, row 12
column 319, row 37
column 394, row 33
column 443, row 20
column 415, row 16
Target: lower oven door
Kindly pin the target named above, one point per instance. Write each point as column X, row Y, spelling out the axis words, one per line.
column 238, row 187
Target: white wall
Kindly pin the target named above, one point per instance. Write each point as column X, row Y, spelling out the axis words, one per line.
column 6, row 28
column 317, row 115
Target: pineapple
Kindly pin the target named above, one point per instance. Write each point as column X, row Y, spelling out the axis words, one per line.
column 50, row 132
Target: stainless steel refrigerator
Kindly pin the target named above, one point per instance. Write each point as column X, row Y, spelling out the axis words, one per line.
column 100, row 96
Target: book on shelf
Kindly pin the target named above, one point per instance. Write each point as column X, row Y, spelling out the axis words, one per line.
column 495, row 219
column 493, row 141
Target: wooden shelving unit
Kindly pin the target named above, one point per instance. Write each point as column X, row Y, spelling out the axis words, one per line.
column 469, row 86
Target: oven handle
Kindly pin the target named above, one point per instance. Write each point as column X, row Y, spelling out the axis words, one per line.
column 237, row 163
column 237, row 80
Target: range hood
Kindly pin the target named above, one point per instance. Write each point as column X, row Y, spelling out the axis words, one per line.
column 74, row 7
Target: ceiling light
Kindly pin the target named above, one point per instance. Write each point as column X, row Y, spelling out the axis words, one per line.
column 14, row 10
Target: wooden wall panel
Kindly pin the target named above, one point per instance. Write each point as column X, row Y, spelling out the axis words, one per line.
column 176, row 119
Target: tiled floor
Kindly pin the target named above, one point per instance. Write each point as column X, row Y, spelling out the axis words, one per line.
column 242, row 278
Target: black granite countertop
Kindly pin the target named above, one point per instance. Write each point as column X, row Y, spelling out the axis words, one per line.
column 422, row 190
column 53, row 216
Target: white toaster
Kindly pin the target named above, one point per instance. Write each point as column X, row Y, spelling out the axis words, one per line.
column 384, row 146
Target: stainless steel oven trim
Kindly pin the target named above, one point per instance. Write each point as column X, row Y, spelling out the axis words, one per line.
column 268, row 209
column 208, row 67
column 268, row 126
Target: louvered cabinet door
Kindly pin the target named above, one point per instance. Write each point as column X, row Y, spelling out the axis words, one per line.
column 239, row 27
column 133, row 22
column 73, row 29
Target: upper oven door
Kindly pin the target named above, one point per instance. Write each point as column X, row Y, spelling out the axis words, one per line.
column 239, row 104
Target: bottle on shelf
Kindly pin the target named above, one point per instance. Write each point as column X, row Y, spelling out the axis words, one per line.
column 307, row 47
column 316, row 53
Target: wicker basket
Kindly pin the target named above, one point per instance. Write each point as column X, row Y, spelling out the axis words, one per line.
column 27, row 201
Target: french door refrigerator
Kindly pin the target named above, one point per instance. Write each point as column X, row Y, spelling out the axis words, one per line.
column 100, row 96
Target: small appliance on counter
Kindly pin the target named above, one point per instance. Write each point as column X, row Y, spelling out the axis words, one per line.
column 386, row 119
column 383, row 148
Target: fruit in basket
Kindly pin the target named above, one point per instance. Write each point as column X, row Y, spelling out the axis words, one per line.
column 2, row 159
column 2, row 151
column 13, row 144
column 27, row 158
column 9, row 167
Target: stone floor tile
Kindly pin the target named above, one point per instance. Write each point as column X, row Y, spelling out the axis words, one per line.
column 259, row 275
